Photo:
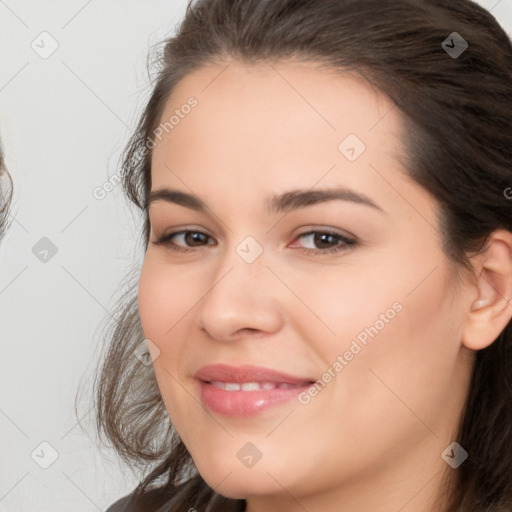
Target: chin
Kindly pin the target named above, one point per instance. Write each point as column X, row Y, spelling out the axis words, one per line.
column 239, row 482
column 242, row 487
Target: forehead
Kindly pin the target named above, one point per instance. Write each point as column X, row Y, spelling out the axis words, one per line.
column 288, row 122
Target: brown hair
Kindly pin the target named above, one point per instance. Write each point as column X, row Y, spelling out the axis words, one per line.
column 6, row 190
column 459, row 147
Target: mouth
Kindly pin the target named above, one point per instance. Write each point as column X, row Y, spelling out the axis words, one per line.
column 254, row 386
column 248, row 374
column 244, row 391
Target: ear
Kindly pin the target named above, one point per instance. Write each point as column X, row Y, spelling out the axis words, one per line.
column 491, row 309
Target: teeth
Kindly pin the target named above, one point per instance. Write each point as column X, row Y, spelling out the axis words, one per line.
column 250, row 386
column 217, row 384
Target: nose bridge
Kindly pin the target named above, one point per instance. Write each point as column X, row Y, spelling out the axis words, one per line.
column 241, row 295
column 242, row 262
column 242, row 272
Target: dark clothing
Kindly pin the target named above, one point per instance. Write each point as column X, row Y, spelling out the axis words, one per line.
column 184, row 497
column 151, row 501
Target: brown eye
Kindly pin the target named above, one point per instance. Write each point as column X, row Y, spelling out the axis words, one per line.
column 325, row 241
column 186, row 239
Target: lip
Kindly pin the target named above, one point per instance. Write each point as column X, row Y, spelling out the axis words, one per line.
column 246, row 373
column 246, row 403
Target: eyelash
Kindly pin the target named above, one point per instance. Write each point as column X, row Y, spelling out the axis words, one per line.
column 347, row 243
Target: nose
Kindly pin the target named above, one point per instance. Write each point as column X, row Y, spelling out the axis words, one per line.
column 241, row 299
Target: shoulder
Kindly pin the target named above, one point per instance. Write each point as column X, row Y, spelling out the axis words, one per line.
column 189, row 494
column 153, row 499
column 120, row 505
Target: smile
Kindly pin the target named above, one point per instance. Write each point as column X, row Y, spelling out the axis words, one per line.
column 254, row 386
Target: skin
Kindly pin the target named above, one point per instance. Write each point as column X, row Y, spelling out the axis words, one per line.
column 372, row 438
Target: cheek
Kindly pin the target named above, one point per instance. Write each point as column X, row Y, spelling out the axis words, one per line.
column 163, row 299
column 151, row 296
column 408, row 364
column 398, row 330
column 167, row 298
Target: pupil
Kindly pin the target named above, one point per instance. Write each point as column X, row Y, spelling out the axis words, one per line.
column 194, row 237
column 319, row 239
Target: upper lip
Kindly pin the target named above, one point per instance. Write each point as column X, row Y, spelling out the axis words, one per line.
column 246, row 373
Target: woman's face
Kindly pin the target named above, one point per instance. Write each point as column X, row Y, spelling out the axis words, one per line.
column 312, row 255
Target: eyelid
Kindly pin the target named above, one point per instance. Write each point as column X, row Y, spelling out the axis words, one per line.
column 346, row 242
column 180, row 229
column 315, row 228
column 164, row 239
column 311, row 228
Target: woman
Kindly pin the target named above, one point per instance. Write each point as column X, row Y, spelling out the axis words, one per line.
column 327, row 282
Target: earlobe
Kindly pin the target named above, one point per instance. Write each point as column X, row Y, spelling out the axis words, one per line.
column 491, row 311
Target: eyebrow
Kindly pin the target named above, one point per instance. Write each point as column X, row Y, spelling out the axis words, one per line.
column 286, row 202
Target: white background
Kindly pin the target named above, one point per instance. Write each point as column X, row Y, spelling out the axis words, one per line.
column 64, row 121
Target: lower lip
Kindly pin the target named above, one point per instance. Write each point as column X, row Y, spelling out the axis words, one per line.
column 245, row 403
